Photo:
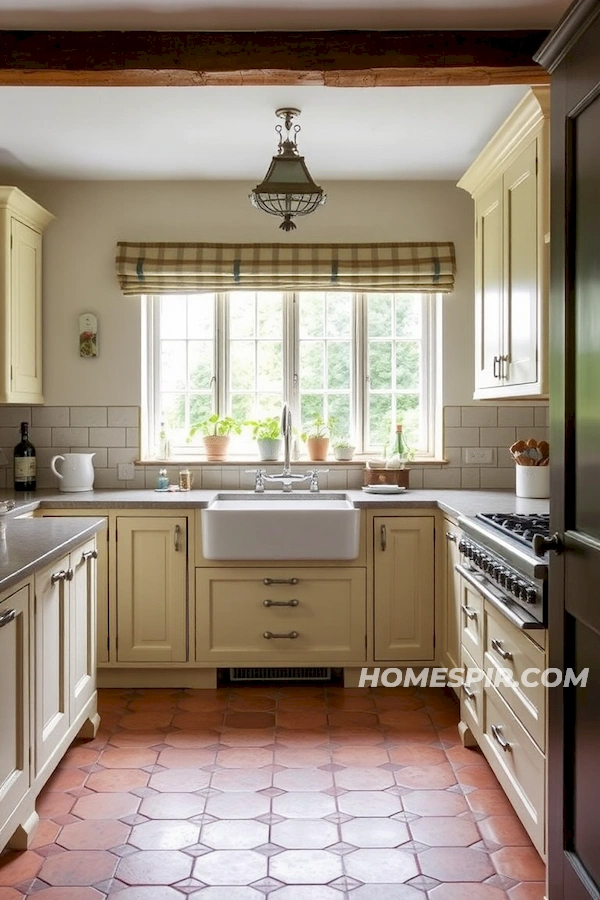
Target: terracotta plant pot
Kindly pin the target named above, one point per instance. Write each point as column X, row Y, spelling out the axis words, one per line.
column 216, row 447
column 317, row 448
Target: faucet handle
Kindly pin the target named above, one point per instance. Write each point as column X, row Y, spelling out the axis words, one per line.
column 314, row 479
column 259, row 481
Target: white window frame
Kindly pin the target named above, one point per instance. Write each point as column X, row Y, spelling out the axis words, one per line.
column 430, row 371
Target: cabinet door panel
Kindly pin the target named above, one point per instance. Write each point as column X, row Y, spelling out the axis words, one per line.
column 452, row 596
column 404, row 588
column 26, row 312
column 51, row 661
column 521, row 232
column 82, row 674
column 14, row 701
column 488, row 280
column 151, row 589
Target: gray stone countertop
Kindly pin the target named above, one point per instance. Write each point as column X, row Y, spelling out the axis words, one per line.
column 455, row 503
column 28, row 544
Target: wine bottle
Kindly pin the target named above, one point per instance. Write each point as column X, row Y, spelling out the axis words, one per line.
column 24, row 462
column 400, row 452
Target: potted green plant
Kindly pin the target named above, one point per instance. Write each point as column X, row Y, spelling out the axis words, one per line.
column 343, row 448
column 267, row 434
column 215, row 432
column 316, row 437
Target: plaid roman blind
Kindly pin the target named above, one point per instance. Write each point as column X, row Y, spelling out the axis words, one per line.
column 170, row 268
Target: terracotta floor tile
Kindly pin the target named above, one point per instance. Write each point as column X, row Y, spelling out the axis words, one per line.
column 374, row 833
column 202, row 701
column 444, row 831
column 134, row 738
column 360, row 756
column 386, row 892
column 467, row 892
column 106, row 806
column 303, row 737
column 153, row 699
column 243, row 834
column 369, row 803
column 195, row 721
column 148, row 892
column 192, row 740
column 247, row 737
column 364, row 778
column 489, row 802
column 252, row 704
column 504, row 830
column 305, row 867
column 66, row 780
column 350, row 703
column 50, row 804
column 466, row 756
column 529, row 891
column 133, row 758
column 78, row 755
column 456, row 864
column 417, row 755
column 45, row 833
column 246, row 758
column 407, row 703
column 16, row 867
column 67, row 893
column 300, row 759
column 289, row 892
column 164, row 834
column 184, row 780
column 93, row 835
column 302, row 704
column 426, row 777
column 477, row 776
column 302, row 720
column 238, row 805
column 385, row 866
column 357, row 737
column 303, row 806
column 406, row 720
column 172, row 806
column 304, row 834
column 348, row 719
column 242, row 779
column 230, row 867
column 446, row 719
column 8, row 893
column 78, row 867
column 520, row 863
column 154, row 867
column 399, row 737
column 449, row 736
column 249, row 720
column 434, row 803
column 115, row 780
column 142, row 721
column 303, row 780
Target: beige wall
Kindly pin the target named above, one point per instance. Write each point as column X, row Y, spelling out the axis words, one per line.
column 79, row 271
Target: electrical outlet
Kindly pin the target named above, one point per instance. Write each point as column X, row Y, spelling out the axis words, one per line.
column 125, row 471
column 478, row 456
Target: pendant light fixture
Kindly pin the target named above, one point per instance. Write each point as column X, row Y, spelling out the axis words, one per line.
column 288, row 189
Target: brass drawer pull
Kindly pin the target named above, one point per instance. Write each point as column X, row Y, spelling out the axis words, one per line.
column 383, row 537
column 269, row 581
column 269, row 635
column 469, row 613
column 451, row 536
column 176, row 537
column 7, row 617
column 89, row 554
column 497, row 734
column 497, row 646
column 281, row 602
column 470, row 694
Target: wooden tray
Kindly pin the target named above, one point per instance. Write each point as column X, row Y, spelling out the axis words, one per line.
column 386, row 476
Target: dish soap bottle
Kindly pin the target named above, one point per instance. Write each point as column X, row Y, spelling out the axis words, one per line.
column 400, row 451
column 164, row 445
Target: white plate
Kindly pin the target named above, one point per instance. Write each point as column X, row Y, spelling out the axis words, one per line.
column 383, row 489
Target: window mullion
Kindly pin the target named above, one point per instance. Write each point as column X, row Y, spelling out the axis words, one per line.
column 292, row 354
column 360, row 371
column 221, row 364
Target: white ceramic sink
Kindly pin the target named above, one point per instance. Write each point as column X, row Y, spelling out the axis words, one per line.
column 282, row 526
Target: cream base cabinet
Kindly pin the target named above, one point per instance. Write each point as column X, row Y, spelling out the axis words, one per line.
column 404, row 601
column 82, row 622
column 22, row 222
column 151, row 589
column 280, row 615
column 452, row 606
column 14, row 701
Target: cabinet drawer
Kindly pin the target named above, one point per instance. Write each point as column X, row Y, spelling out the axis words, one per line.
column 471, row 696
column 509, row 652
column 471, row 614
column 250, row 614
column 520, row 767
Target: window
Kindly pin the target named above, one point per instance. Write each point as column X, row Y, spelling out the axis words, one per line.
column 362, row 361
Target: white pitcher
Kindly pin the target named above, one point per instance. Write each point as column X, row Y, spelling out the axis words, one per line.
column 77, row 471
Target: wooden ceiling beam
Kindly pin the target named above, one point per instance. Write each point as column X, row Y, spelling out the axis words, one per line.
column 330, row 58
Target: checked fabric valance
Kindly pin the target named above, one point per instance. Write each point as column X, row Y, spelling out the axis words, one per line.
column 171, row 268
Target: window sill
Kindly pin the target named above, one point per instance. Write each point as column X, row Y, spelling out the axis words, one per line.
column 357, row 462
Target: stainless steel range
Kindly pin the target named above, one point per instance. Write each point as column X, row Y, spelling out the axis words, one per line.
column 499, row 561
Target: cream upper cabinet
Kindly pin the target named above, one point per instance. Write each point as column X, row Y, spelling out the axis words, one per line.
column 151, row 589
column 22, row 222
column 509, row 183
column 403, row 588
column 14, row 701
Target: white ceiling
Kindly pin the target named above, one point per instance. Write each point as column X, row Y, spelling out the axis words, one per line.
column 228, row 132
column 259, row 15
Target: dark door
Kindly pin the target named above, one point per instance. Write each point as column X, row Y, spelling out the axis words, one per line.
column 573, row 56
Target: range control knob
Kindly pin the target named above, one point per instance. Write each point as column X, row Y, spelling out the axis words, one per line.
column 531, row 595
column 463, row 545
column 517, row 588
column 495, row 571
column 502, row 576
column 510, row 582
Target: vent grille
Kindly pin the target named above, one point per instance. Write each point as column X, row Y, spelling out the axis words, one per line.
column 306, row 673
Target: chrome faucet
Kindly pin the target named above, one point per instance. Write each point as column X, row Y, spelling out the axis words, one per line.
column 286, row 430
column 286, row 477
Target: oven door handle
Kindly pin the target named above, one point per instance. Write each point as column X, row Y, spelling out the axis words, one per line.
column 482, row 589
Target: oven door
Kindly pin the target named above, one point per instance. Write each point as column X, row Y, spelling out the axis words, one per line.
column 499, row 600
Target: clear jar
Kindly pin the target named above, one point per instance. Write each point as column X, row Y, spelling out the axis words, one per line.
column 162, row 481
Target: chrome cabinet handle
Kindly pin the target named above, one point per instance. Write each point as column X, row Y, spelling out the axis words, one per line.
column 542, row 544
column 469, row 613
column 503, row 362
column 496, row 367
column 7, row 617
column 497, row 646
column 470, row 694
column 69, row 575
column 281, row 602
column 269, row 635
column 451, row 536
column 176, row 537
column 89, row 554
column 63, row 575
column 497, row 734
column 269, row 581
column 383, row 537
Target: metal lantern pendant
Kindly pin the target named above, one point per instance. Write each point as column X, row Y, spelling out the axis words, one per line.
column 288, row 189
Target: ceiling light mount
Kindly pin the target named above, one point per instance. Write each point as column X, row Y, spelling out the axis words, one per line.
column 288, row 189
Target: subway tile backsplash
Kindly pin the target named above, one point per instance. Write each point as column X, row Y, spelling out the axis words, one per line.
column 113, row 434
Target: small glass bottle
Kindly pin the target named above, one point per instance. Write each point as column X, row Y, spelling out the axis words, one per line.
column 400, row 451
column 164, row 445
column 162, row 481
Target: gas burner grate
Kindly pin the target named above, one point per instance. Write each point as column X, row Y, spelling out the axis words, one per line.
column 519, row 526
